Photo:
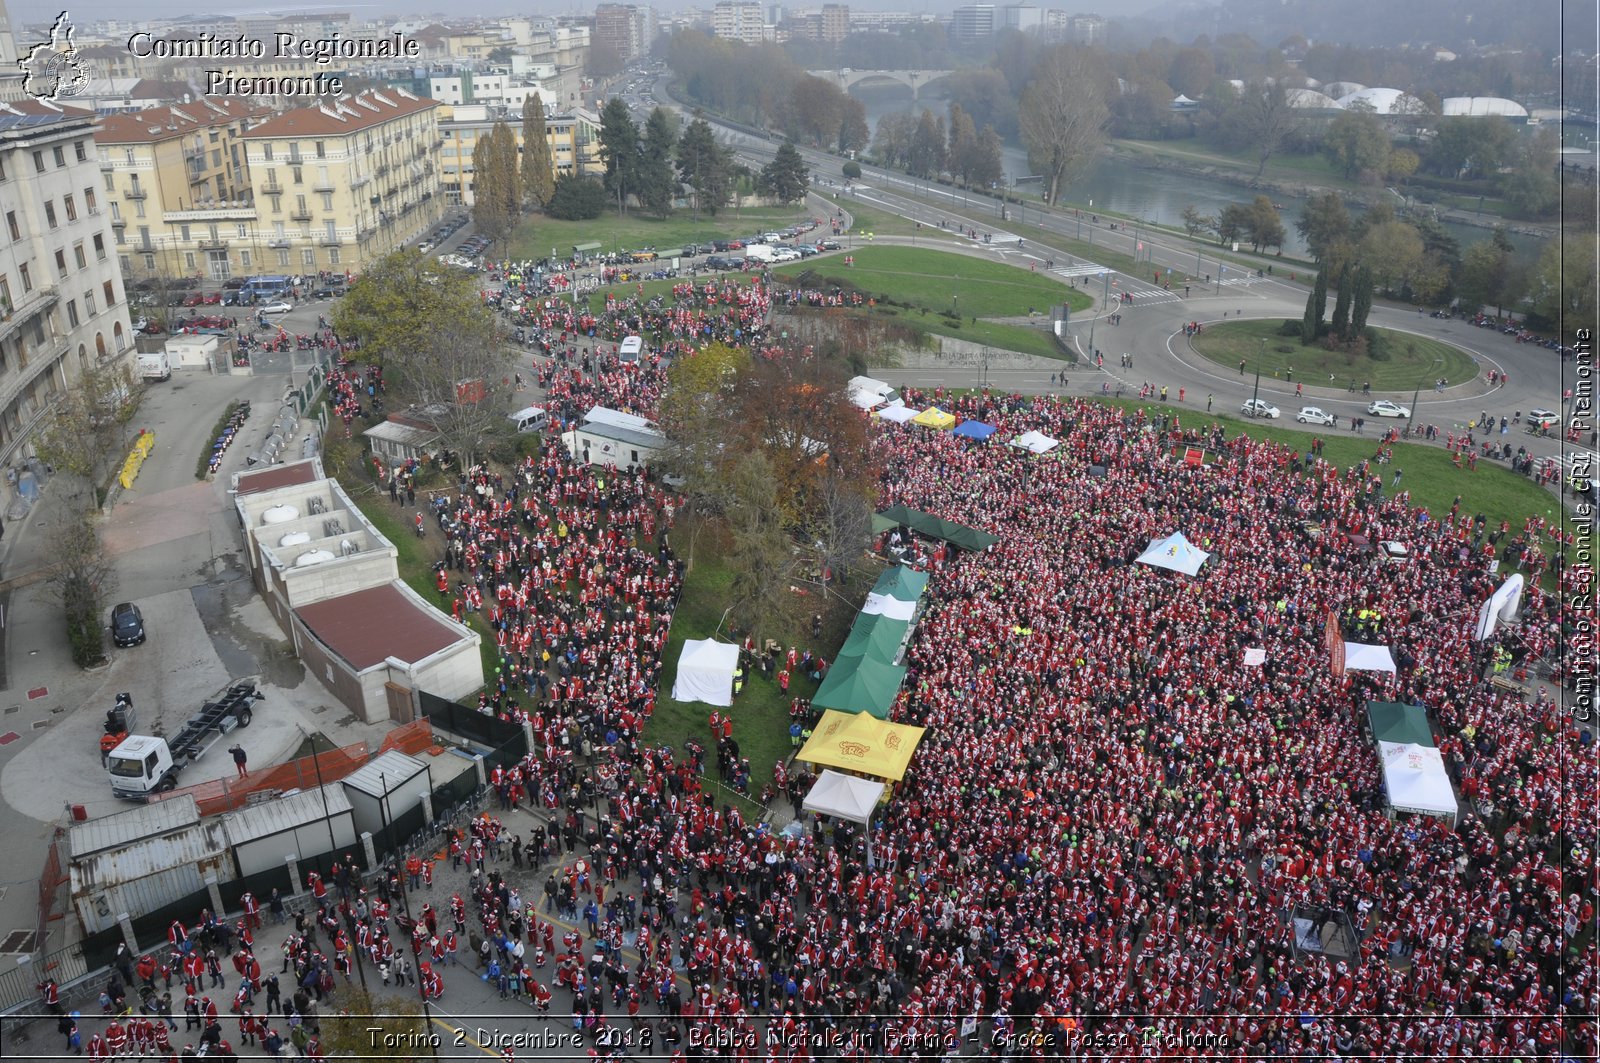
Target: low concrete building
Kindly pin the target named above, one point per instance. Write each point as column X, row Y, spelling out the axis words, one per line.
column 614, row 439
column 143, row 860
column 332, row 582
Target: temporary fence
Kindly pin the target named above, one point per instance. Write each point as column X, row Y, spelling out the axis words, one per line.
column 226, row 795
column 472, row 725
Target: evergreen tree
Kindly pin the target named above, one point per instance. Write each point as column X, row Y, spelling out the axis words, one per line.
column 655, row 184
column 1340, row 326
column 705, row 166
column 1361, row 301
column 576, row 198
column 1308, row 320
column 619, row 149
column 538, row 175
column 785, row 177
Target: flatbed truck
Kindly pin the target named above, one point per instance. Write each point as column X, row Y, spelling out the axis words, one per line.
column 142, row 765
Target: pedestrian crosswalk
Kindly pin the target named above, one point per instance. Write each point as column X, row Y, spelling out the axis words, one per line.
column 1079, row 269
column 1155, row 295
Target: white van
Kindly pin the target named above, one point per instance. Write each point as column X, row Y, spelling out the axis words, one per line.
column 631, row 349
column 531, row 419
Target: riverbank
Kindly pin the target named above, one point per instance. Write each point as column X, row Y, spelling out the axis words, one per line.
column 1144, row 155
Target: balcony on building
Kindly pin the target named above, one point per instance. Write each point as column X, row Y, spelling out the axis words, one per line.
column 235, row 212
column 213, row 243
column 278, row 241
column 272, row 188
column 136, row 193
column 330, row 240
column 300, row 214
column 29, row 307
column 322, row 185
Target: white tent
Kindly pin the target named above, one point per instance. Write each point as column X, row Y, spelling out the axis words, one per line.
column 845, row 796
column 901, row 414
column 1360, row 657
column 1174, row 552
column 1415, row 780
column 888, row 605
column 705, row 672
column 1501, row 607
column 1035, row 441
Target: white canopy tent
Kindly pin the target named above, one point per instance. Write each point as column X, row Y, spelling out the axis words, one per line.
column 1500, row 608
column 890, row 606
column 845, row 796
column 1360, row 657
column 1035, row 441
column 1415, row 780
column 705, row 672
column 1176, row 553
column 899, row 414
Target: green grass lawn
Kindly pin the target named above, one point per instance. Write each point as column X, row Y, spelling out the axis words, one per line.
column 1429, row 474
column 761, row 711
column 1408, row 361
column 864, row 220
column 536, row 237
column 940, row 280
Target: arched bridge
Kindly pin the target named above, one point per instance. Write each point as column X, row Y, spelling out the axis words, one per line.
column 912, row 79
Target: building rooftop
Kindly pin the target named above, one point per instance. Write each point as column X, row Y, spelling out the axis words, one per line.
column 35, row 114
column 168, row 123
column 308, row 471
column 363, row 111
column 286, row 813
column 143, row 821
column 384, row 773
column 367, row 627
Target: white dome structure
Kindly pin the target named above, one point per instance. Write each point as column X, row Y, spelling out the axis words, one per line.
column 1497, row 106
column 1382, row 101
column 313, row 557
column 295, row 539
column 1311, row 100
column 1341, row 88
column 279, row 514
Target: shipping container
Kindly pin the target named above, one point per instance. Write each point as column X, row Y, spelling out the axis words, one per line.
column 265, row 835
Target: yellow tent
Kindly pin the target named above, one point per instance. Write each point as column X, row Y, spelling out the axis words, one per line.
column 862, row 743
column 933, row 417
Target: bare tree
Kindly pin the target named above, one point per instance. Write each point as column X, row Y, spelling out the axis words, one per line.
column 92, row 431
column 81, row 581
column 1063, row 116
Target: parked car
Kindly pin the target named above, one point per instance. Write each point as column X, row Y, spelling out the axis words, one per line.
column 829, row 245
column 1385, row 408
column 1542, row 418
column 193, row 299
column 1314, row 415
column 127, row 625
column 1259, row 408
column 279, row 307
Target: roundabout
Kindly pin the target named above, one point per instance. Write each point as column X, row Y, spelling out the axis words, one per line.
column 1396, row 362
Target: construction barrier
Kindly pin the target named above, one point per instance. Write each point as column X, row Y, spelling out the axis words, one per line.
column 135, row 460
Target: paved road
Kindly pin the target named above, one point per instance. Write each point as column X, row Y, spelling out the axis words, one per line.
column 1152, row 326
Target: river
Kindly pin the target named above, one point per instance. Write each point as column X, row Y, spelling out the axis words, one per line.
column 1161, row 196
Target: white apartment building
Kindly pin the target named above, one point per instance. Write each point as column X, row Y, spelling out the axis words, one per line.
column 63, row 310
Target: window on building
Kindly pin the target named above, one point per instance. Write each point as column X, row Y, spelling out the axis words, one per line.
column 89, row 201
column 244, row 259
column 124, row 263
column 38, row 161
column 183, row 233
column 79, row 257
column 61, row 156
column 308, row 257
column 138, row 208
column 266, row 152
column 2, row 169
column 80, row 151
column 127, row 156
column 111, row 181
column 188, row 260
column 241, row 230
column 72, row 313
column 122, row 238
column 5, row 292
column 322, row 152
column 327, row 201
column 61, row 263
column 329, row 232
column 110, row 290
column 27, row 278
column 333, row 256
column 116, row 211
column 149, row 262
column 50, row 214
column 88, row 303
column 298, row 174
column 11, row 224
column 277, row 204
column 99, row 247
column 69, row 204
column 300, row 204
column 283, row 256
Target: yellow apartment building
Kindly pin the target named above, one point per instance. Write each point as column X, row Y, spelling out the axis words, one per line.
column 573, row 138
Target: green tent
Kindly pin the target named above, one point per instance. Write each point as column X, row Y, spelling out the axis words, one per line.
column 1394, row 722
column 939, row 528
column 899, row 581
column 860, row 684
column 878, row 637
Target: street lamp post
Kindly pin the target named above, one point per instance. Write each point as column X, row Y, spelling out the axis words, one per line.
column 405, row 902
column 333, row 843
column 1105, row 299
column 1412, row 419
